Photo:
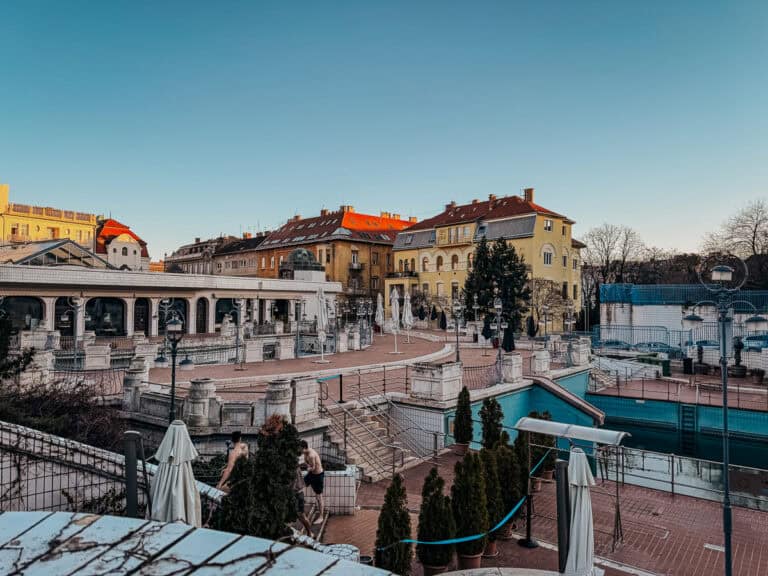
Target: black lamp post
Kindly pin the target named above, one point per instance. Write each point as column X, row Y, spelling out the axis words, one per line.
column 724, row 293
column 174, row 331
column 456, row 318
column 475, row 307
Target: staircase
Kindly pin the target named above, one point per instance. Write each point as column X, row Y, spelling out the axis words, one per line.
column 688, row 428
column 366, row 442
column 601, row 379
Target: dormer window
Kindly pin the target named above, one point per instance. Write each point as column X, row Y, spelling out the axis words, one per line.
column 548, row 225
column 408, row 239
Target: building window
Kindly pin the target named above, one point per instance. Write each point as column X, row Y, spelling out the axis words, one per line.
column 424, row 264
column 548, row 225
column 135, row 253
column 408, row 239
column 374, row 258
column 455, row 262
column 439, row 263
column 575, row 291
column 375, row 283
column 400, row 265
column 565, row 290
column 563, row 229
column 413, row 264
column 466, row 232
column 450, row 235
column 575, row 264
column 389, row 261
column 125, row 251
column 281, row 260
column 547, row 258
column 327, row 256
column 440, row 289
column 425, row 288
column 442, row 236
column 263, row 262
column 565, row 261
column 114, row 250
column 469, row 261
column 406, row 266
column 272, row 262
column 455, row 290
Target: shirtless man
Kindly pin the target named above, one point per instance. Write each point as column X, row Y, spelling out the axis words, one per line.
column 239, row 449
column 298, row 491
column 315, row 476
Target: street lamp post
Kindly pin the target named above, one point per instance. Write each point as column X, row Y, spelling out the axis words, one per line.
column 475, row 307
column 497, row 306
column 724, row 301
column 369, row 311
column 174, row 332
column 456, row 319
column 74, row 303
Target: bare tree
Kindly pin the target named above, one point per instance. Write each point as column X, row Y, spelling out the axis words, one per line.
column 550, row 294
column 744, row 234
column 611, row 248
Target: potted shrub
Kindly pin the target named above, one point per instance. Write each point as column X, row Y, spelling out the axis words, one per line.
column 491, row 417
column 435, row 523
column 470, row 511
column 758, row 374
column 462, row 423
column 493, row 500
column 394, row 525
column 509, row 480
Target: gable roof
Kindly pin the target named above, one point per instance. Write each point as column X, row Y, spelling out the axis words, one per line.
column 241, row 245
column 62, row 252
column 110, row 229
column 346, row 225
column 491, row 209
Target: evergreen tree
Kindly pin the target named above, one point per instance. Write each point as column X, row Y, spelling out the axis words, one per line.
column 492, row 417
column 493, row 498
column 261, row 501
column 422, row 313
column 480, row 280
column 462, row 423
column 470, row 510
column 433, row 313
column 11, row 365
column 509, row 473
column 443, row 320
column 435, row 522
column 394, row 525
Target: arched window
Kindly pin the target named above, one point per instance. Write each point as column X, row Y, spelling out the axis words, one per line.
column 413, row 264
column 400, row 265
column 439, row 263
column 125, row 251
column 548, row 255
column 406, row 266
column 424, row 264
column 469, row 261
column 455, row 262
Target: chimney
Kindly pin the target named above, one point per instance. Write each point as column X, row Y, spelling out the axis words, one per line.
column 297, row 217
column 491, row 198
column 475, row 201
column 396, row 216
column 347, row 208
column 384, row 214
column 412, row 219
column 247, row 235
column 451, row 205
column 528, row 194
column 197, row 240
column 324, row 212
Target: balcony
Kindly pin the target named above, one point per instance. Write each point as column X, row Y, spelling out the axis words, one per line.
column 405, row 274
column 356, row 266
column 19, row 238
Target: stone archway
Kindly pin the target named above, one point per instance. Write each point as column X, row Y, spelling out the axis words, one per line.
column 25, row 312
column 201, row 309
column 105, row 316
column 142, row 316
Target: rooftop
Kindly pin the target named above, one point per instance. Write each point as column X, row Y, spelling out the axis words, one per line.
column 61, row 252
column 110, row 229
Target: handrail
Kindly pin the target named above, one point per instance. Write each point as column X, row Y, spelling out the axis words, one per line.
column 368, row 455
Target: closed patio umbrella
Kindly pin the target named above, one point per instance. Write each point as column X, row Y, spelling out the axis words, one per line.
column 581, row 553
column 175, row 497
column 380, row 312
column 407, row 315
column 394, row 303
column 322, row 323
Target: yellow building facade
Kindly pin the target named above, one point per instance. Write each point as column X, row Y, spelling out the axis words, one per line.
column 434, row 256
column 25, row 223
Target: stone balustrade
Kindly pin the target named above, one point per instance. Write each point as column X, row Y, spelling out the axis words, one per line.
column 436, row 381
column 512, row 368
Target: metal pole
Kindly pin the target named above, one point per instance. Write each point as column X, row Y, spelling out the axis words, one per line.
column 456, row 321
column 563, row 513
column 130, row 439
column 172, row 413
column 341, row 387
column 723, row 317
column 528, row 541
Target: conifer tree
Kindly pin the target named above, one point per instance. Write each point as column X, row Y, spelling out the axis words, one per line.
column 494, row 501
column 394, row 525
column 435, row 522
column 462, row 423
column 492, row 417
column 470, row 509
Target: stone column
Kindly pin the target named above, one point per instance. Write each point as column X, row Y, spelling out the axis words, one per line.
column 278, row 399
column 541, row 362
column 80, row 318
column 154, row 316
column 267, row 310
column 304, row 403
column 255, row 311
column 97, row 357
column 130, row 304
column 211, row 315
column 201, row 392
column 512, row 368
column 134, row 384
column 580, row 353
column 191, row 315
column 434, row 381
column 49, row 320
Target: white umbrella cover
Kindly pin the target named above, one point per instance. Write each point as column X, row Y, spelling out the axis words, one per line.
column 379, row 310
column 394, row 303
column 407, row 312
column 175, row 497
column 581, row 553
column 322, row 311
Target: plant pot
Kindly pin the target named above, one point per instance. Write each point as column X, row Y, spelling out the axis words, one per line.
column 507, row 532
column 430, row 570
column 535, row 484
column 460, row 449
column 491, row 550
column 548, row 474
column 469, row 562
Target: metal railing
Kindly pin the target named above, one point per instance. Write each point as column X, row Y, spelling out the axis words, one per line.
column 479, row 377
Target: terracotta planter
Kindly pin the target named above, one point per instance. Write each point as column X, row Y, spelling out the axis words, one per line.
column 491, row 550
column 506, row 533
column 469, row 562
column 460, row 449
column 535, row 484
column 548, row 474
column 431, row 570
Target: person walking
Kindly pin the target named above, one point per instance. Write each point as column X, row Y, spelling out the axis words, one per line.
column 315, row 477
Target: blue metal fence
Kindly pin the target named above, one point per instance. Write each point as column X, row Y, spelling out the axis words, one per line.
column 674, row 294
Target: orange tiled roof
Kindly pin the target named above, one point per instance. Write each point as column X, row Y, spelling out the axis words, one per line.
column 110, row 229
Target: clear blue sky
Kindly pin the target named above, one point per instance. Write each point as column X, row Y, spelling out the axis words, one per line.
column 189, row 119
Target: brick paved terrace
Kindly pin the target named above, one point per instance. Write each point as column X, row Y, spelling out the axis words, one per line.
column 663, row 534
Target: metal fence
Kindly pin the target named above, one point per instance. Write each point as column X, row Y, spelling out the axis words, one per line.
column 657, row 338
column 479, row 377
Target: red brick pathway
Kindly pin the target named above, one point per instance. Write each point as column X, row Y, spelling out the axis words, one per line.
column 662, row 534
